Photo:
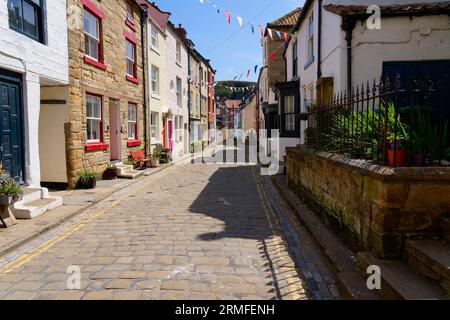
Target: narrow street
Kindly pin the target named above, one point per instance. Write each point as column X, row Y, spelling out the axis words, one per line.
column 203, row 231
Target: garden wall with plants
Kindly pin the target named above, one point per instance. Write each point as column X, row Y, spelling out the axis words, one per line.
column 373, row 207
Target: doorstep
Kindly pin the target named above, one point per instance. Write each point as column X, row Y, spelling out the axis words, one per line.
column 74, row 202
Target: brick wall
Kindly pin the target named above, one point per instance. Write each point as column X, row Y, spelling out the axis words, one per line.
column 110, row 84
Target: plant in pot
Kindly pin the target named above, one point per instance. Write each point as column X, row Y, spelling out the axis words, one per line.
column 156, row 158
column 397, row 138
column 10, row 192
column 111, row 172
column 88, row 180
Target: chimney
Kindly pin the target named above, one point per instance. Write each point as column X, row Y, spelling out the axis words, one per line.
column 182, row 33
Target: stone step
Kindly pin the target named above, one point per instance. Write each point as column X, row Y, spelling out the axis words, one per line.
column 31, row 194
column 130, row 175
column 398, row 281
column 431, row 258
column 29, row 210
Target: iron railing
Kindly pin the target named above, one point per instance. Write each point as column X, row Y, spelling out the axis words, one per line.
column 386, row 122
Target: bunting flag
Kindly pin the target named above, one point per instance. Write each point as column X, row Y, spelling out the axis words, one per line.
column 270, row 33
column 286, row 37
column 228, row 14
column 256, row 68
column 253, row 28
column 248, row 73
column 272, row 56
column 240, row 21
column 261, row 29
column 279, row 35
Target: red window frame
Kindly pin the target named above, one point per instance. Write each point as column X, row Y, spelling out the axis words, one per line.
column 128, row 22
column 134, row 142
column 100, row 15
column 101, row 145
column 133, row 40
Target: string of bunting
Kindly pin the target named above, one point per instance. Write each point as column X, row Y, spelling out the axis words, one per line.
column 271, row 32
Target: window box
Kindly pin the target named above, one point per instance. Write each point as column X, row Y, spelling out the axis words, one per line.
column 134, row 143
column 95, row 146
column 95, row 63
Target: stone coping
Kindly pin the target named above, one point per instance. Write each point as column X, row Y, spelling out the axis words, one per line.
column 382, row 173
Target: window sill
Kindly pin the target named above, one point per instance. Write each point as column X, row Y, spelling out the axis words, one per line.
column 155, row 50
column 134, row 143
column 179, row 64
column 131, row 25
column 93, row 146
column 155, row 96
column 132, row 79
column 310, row 62
column 95, row 63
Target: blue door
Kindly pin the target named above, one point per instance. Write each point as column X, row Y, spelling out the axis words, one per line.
column 11, row 139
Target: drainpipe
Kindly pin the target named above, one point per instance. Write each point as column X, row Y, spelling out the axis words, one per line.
column 348, row 24
column 144, row 80
column 189, row 97
column 319, row 42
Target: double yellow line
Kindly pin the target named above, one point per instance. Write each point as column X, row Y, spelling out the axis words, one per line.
column 279, row 245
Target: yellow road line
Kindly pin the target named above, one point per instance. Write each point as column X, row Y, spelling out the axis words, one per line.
column 30, row 255
column 279, row 242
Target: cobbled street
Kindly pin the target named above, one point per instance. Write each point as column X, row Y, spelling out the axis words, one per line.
column 203, row 231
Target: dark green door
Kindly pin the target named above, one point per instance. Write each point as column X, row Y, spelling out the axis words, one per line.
column 11, row 148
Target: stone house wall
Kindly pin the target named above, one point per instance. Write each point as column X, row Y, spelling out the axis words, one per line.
column 373, row 207
column 110, row 84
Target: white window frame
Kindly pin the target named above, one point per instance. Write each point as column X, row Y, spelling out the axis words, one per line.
column 154, row 125
column 130, row 15
column 155, row 80
column 154, row 38
column 178, row 53
column 93, row 118
column 88, row 36
column 178, row 90
column 132, row 121
column 310, row 44
column 131, row 60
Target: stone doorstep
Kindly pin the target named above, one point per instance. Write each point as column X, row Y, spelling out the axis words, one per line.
column 351, row 284
column 398, row 281
column 11, row 246
column 431, row 258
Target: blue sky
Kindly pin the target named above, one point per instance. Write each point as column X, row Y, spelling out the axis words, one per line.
column 232, row 49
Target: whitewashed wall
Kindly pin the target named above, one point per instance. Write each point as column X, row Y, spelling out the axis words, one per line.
column 40, row 64
column 175, row 70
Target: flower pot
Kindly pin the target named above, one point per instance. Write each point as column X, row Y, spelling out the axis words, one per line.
column 397, row 158
column 155, row 163
column 111, row 173
column 89, row 183
column 5, row 200
column 419, row 160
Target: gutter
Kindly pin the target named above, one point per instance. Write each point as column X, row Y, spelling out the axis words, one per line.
column 319, row 40
column 147, row 142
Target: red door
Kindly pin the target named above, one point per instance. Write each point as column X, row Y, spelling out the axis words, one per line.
column 164, row 134
column 170, row 134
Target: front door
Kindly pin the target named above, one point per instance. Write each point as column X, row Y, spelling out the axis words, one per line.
column 11, row 135
column 115, row 128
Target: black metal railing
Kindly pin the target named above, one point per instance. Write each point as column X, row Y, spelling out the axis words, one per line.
column 386, row 122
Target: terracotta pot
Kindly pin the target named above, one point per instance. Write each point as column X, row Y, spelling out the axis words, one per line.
column 400, row 156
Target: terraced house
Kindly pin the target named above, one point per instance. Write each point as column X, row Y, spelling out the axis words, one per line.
column 106, row 95
column 33, row 98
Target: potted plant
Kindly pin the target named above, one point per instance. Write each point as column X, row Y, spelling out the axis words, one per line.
column 88, row 180
column 111, row 172
column 155, row 158
column 397, row 138
column 10, row 192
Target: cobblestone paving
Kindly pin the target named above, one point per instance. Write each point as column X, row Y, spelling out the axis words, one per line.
column 191, row 232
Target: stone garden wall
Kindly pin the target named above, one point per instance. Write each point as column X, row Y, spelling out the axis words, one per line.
column 374, row 208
